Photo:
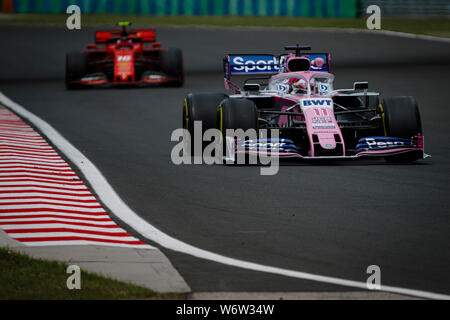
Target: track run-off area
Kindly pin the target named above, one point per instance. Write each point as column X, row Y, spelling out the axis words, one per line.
column 332, row 219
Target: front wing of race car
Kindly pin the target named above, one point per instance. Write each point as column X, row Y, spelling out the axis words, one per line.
column 381, row 147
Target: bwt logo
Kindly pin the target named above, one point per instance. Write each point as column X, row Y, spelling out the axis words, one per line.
column 317, row 102
column 258, row 64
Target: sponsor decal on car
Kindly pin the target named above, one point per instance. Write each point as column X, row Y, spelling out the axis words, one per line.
column 124, row 58
column 380, row 143
column 244, row 64
column 317, row 102
column 323, row 127
column 275, row 145
column 323, row 89
column 321, row 120
column 283, row 88
column 312, row 57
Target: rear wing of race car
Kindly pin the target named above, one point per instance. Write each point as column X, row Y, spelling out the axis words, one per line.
column 263, row 65
column 145, row 35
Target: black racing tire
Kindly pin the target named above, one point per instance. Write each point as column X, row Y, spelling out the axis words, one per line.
column 236, row 113
column 401, row 118
column 172, row 65
column 201, row 107
column 76, row 68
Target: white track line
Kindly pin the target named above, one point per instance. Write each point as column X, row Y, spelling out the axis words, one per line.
column 403, row 35
column 390, row 33
column 112, row 200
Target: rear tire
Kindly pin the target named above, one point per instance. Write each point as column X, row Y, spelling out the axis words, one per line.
column 402, row 120
column 172, row 65
column 76, row 68
column 201, row 107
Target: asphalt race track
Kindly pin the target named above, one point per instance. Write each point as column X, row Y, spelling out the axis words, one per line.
column 333, row 219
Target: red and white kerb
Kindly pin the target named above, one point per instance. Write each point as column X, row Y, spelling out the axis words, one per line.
column 42, row 200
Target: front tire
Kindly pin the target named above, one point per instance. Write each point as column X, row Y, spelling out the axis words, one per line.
column 200, row 107
column 172, row 65
column 402, row 119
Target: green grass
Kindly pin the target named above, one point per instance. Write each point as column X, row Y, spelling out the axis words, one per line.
column 25, row 278
column 440, row 27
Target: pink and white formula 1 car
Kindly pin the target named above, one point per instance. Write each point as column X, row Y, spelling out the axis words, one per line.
column 294, row 93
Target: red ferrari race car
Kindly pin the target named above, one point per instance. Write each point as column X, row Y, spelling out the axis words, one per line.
column 124, row 57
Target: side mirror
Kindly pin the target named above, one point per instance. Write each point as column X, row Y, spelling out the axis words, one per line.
column 92, row 46
column 156, row 44
column 360, row 86
column 251, row 87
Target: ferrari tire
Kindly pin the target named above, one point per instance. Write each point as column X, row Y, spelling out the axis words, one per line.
column 76, row 68
column 401, row 118
column 172, row 65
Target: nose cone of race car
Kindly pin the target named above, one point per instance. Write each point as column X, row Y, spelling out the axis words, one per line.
column 124, row 66
column 323, row 130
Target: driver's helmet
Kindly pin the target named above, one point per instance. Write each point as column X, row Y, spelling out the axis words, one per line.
column 298, row 85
